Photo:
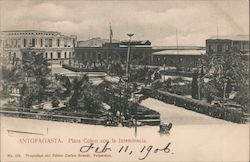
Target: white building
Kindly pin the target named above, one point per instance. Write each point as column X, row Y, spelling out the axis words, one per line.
column 52, row 44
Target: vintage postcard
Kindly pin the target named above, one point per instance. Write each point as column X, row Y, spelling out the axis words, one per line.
column 123, row 80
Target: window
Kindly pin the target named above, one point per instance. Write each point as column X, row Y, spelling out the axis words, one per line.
column 33, row 41
column 210, row 48
column 65, row 42
column 58, row 42
column 9, row 56
column 50, row 42
column 15, row 43
column 69, row 54
column 51, row 55
column 219, row 48
column 46, row 43
column 11, row 43
column 41, row 42
column 24, row 42
column 46, row 55
column 88, row 55
column 58, row 54
column 65, row 55
column 99, row 55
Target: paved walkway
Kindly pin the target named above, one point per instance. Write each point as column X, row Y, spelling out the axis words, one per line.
column 179, row 115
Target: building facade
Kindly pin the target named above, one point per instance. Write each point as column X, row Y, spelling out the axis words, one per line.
column 106, row 52
column 221, row 44
column 183, row 56
column 52, row 44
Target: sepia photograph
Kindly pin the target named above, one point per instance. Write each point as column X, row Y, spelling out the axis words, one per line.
column 124, row 80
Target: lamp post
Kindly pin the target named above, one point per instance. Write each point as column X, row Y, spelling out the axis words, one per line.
column 164, row 68
column 130, row 36
column 136, row 105
column 120, row 97
column 127, row 69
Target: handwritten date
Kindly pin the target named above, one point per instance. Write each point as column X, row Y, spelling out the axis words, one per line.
column 144, row 152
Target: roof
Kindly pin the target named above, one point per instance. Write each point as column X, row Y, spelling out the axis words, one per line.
column 29, row 31
column 99, row 42
column 136, row 42
column 180, row 52
column 179, row 47
column 142, row 46
column 94, row 42
column 234, row 37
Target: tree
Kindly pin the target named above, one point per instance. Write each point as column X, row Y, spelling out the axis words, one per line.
column 116, row 69
column 36, row 70
column 194, row 88
column 139, row 74
column 84, row 96
column 32, row 75
column 227, row 72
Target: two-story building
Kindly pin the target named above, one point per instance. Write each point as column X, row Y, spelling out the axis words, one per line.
column 221, row 44
column 52, row 44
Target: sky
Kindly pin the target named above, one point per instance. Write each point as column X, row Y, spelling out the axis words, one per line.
column 160, row 21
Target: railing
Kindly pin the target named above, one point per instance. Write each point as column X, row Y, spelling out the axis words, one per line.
column 52, row 117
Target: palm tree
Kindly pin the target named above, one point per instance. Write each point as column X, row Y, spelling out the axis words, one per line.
column 84, row 97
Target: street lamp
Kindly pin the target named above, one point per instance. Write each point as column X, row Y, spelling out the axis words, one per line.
column 130, row 35
column 164, row 68
column 120, row 97
column 127, row 66
column 136, row 102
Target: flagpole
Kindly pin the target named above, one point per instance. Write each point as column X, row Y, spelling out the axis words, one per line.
column 110, row 41
column 177, row 43
column 111, row 33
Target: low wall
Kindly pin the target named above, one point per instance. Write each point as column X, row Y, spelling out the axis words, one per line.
column 78, row 69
